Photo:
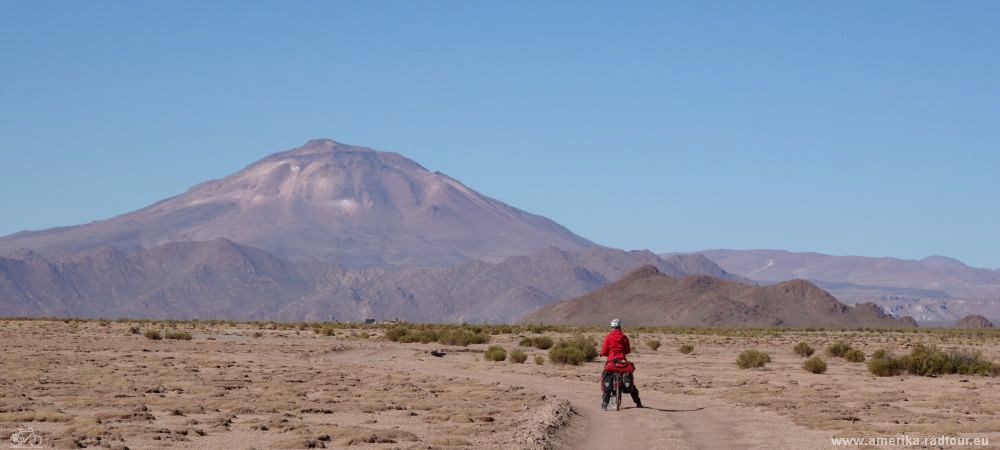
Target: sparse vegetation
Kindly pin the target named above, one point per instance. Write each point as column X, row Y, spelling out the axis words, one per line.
column 752, row 359
column 653, row 344
column 575, row 351
column 929, row 360
column 884, row 364
column 539, row 342
column 518, row 356
column 854, row 355
column 456, row 336
column 539, row 360
column 134, row 330
column 686, row 348
column 178, row 335
column 814, row 365
column 804, row 350
column 153, row 335
column 463, row 338
column 838, row 349
column 495, row 353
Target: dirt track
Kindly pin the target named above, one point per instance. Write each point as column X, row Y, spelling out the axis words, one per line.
column 667, row 421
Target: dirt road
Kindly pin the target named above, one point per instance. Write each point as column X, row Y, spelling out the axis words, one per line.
column 667, row 421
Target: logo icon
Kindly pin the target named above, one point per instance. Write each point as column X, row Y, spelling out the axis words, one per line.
column 25, row 438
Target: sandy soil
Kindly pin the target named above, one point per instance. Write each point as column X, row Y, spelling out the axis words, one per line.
column 92, row 384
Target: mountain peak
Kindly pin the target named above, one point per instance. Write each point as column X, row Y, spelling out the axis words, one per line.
column 330, row 201
column 943, row 261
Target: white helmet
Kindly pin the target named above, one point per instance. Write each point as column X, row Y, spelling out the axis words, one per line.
column 616, row 323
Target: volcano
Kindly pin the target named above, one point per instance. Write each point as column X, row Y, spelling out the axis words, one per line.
column 331, row 202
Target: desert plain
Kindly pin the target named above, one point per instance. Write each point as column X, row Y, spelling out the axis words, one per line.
column 256, row 385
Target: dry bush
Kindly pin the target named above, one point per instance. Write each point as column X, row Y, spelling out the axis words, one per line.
column 518, row 356
column 855, row 355
column 440, row 334
column 653, row 344
column 838, row 349
column 929, row 360
column 804, row 350
column 177, row 335
column 884, row 364
column 539, row 359
column 134, row 330
column 495, row 353
column 153, row 335
column 686, row 348
column 814, row 365
column 752, row 359
column 463, row 338
column 539, row 342
column 575, row 351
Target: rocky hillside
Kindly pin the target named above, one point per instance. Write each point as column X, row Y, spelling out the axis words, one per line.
column 222, row 279
column 647, row 296
column 973, row 321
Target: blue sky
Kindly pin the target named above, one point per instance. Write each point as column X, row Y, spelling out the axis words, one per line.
column 867, row 128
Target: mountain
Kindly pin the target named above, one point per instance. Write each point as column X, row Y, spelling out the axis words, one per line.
column 936, row 289
column 225, row 280
column 937, row 273
column 327, row 201
column 647, row 297
column 973, row 321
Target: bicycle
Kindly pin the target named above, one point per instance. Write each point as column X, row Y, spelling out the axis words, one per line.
column 25, row 438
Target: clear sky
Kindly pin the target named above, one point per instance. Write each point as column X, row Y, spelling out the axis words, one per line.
column 867, row 128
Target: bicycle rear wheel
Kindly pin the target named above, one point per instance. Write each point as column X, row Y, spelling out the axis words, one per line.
column 618, row 394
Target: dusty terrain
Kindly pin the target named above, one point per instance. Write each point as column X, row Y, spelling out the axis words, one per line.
column 92, row 383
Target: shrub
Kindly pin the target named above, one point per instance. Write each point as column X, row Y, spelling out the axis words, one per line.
column 567, row 355
column 653, row 344
column 257, row 334
column 686, row 348
column 153, row 334
column 463, row 338
column 855, row 355
column 539, row 359
column 178, row 335
column 394, row 334
column 134, row 330
column 518, row 356
column 814, row 365
column 575, row 351
column 838, row 349
column 884, row 364
column 539, row 342
column 543, row 342
column 495, row 353
column 752, row 359
column 804, row 350
column 929, row 360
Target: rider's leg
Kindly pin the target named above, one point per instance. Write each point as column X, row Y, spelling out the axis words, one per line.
column 635, row 395
column 606, row 393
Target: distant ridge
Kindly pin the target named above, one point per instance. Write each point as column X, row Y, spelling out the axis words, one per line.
column 221, row 279
column 647, row 297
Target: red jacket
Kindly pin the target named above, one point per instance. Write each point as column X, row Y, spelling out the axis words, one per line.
column 615, row 345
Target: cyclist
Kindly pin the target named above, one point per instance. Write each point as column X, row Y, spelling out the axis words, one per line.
column 616, row 346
